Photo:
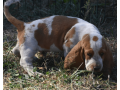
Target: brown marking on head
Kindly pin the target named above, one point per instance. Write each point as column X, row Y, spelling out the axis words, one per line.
column 60, row 26
column 86, row 41
column 88, row 51
column 95, row 38
column 69, row 35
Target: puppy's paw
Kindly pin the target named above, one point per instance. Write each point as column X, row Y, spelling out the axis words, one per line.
column 31, row 73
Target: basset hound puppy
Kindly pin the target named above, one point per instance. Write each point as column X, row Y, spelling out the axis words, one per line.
column 80, row 40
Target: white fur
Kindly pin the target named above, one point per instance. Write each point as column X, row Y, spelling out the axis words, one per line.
column 93, row 61
column 48, row 22
column 29, row 48
column 84, row 28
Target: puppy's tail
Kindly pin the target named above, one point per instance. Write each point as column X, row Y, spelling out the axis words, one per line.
column 17, row 23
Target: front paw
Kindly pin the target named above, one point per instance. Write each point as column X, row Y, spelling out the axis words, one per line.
column 35, row 74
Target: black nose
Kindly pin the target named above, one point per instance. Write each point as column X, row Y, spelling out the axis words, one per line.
column 96, row 68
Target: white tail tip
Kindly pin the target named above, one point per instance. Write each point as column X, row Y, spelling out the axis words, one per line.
column 108, row 76
column 9, row 2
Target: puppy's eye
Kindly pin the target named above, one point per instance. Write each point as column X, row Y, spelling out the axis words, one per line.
column 89, row 54
column 101, row 54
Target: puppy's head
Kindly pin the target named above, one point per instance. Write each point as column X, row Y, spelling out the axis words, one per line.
column 94, row 52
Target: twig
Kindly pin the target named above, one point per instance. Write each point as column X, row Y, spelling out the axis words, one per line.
column 93, row 78
column 77, row 69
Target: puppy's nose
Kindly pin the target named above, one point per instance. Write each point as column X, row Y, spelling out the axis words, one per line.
column 96, row 68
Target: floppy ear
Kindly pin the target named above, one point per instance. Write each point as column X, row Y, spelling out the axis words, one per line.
column 75, row 57
column 108, row 61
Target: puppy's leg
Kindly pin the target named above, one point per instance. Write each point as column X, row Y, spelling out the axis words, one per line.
column 16, row 51
column 27, row 55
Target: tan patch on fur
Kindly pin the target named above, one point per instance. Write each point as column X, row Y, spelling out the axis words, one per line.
column 42, row 36
column 17, row 23
column 86, row 46
column 21, row 37
column 60, row 26
column 95, row 38
column 68, row 36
